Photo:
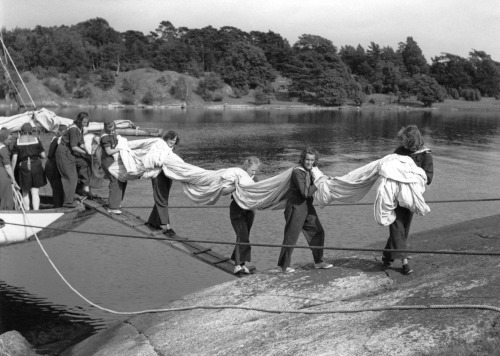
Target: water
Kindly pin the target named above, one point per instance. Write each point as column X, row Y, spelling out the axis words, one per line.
column 127, row 274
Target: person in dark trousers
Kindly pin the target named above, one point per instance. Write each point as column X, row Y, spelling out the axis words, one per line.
column 51, row 170
column 27, row 153
column 108, row 142
column 71, row 145
column 159, row 217
column 300, row 214
column 242, row 221
column 7, row 179
column 412, row 145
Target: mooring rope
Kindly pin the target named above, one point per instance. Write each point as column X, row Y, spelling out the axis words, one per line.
column 218, row 242
column 330, row 205
column 264, row 310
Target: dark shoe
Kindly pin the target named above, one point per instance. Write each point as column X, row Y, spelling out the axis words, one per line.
column 70, row 205
column 170, row 233
column 407, row 269
column 386, row 263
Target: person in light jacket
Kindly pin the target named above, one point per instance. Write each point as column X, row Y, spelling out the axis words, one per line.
column 412, row 144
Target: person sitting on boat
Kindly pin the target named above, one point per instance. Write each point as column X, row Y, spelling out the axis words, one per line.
column 70, row 151
column 7, row 179
column 242, row 221
column 26, row 154
column 51, row 170
column 108, row 141
column 300, row 214
column 159, row 217
column 412, row 144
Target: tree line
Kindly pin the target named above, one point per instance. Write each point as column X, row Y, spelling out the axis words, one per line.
column 316, row 70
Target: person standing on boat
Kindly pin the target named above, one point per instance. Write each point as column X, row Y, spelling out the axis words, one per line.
column 242, row 221
column 108, row 142
column 26, row 154
column 7, row 179
column 412, row 145
column 159, row 217
column 71, row 147
column 51, row 170
column 300, row 214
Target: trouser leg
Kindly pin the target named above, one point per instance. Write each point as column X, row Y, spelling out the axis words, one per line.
column 315, row 236
column 295, row 218
column 398, row 234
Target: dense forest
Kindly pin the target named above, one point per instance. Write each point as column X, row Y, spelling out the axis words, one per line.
column 316, row 71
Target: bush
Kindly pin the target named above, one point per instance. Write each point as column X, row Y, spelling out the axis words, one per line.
column 164, row 81
column 148, row 98
column 82, row 92
column 106, row 80
column 261, row 98
column 53, row 87
column 210, row 87
column 180, row 89
column 70, row 84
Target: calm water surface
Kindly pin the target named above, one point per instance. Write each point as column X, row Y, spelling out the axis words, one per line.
column 127, row 274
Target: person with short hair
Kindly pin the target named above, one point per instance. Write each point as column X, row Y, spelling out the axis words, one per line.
column 51, row 170
column 7, row 179
column 70, row 149
column 108, row 142
column 26, row 160
column 159, row 217
column 412, row 144
column 300, row 214
column 242, row 221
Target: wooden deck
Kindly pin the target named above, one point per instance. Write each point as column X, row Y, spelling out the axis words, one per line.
column 196, row 250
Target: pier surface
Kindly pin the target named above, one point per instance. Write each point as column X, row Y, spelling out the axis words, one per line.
column 356, row 282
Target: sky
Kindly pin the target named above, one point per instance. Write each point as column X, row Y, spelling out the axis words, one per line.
column 438, row 26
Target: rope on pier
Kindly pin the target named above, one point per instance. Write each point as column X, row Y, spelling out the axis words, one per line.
column 216, row 242
column 332, row 205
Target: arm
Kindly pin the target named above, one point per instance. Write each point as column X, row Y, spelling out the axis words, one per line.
column 428, row 167
column 111, row 151
column 75, row 142
column 228, row 190
column 13, row 161
column 10, row 172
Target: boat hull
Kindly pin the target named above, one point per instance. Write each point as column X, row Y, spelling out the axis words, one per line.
column 19, row 227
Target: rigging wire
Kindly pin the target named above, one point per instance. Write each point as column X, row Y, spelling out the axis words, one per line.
column 19, row 75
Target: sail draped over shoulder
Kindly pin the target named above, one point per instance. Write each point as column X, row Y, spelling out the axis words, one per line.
column 401, row 181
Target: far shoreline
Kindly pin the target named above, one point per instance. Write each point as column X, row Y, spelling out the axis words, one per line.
column 486, row 104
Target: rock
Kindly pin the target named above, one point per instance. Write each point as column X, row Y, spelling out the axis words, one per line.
column 13, row 344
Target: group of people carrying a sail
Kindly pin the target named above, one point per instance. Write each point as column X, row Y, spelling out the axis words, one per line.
column 69, row 167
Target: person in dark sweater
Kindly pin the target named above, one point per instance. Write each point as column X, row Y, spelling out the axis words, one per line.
column 412, row 145
column 51, row 170
column 300, row 214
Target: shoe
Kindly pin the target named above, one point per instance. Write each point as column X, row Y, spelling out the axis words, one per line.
column 70, row 205
column 89, row 194
column 407, row 269
column 237, row 269
column 245, row 270
column 114, row 211
column 170, row 233
column 287, row 270
column 323, row 265
column 386, row 262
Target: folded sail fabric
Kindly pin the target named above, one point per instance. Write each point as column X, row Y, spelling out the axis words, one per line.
column 401, row 181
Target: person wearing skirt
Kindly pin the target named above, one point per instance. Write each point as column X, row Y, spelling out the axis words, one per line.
column 51, row 170
column 27, row 153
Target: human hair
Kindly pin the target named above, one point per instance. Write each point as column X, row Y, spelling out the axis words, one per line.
column 250, row 161
column 411, row 138
column 170, row 135
column 79, row 119
column 4, row 134
column 309, row 151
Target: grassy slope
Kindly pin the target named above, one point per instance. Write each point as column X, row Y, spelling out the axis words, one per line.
column 160, row 85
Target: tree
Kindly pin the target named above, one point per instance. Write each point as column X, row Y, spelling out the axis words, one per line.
column 427, row 90
column 245, row 67
column 486, row 76
column 413, row 58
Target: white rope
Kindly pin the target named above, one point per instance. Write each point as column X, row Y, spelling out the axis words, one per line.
column 19, row 75
column 12, row 81
column 264, row 310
